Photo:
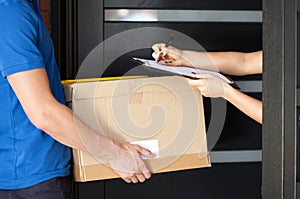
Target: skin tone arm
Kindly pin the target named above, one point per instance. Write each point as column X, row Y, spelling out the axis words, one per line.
column 212, row 86
column 237, row 63
column 232, row 63
column 46, row 113
column 249, row 105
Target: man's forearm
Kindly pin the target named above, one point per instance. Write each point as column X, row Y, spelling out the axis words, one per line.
column 63, row 125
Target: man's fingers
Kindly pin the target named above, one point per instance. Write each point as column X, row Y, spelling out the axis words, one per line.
column 137, row 177
column 144, row 151
column 134, row 179
column 144, row 170
column 141, row 177
column 147, row 174
column 126, row 179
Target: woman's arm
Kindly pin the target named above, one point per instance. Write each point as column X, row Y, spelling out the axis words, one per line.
column 233, row 63
column 237, row 63
column 212, row 86
column 249, row 105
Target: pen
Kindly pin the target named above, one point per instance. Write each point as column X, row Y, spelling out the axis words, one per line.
column 160, row 56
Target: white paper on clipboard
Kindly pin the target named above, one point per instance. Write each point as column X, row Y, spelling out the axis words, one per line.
column 181, row 70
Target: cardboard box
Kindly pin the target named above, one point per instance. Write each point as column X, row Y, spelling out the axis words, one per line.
column 163, row 111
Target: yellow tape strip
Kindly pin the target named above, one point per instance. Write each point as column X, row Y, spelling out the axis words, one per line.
column 71, row 81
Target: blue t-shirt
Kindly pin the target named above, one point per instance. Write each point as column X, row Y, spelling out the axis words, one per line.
column 28, row 155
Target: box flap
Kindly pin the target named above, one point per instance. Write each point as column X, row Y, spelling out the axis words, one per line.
column 100, row 89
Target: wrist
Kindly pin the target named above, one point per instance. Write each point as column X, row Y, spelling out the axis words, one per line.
column 109, row 149
column 227, row 91
column 185, row 58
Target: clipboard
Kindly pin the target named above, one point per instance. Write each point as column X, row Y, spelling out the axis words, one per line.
column 184, row 70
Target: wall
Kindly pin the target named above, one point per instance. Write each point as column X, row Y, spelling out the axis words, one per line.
column 45, row 7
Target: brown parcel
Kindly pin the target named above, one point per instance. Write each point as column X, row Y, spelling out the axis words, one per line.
column 159, row 108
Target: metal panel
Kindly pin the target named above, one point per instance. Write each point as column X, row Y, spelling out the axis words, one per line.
column 188, row 4
column 138, row 15
column 290, row 95
column 298, row 189
column 212, row 36
column 90, row 26
column 235, row 156
column 272, row 182
column 250, row 86
column 279, row 99
column 221, row 181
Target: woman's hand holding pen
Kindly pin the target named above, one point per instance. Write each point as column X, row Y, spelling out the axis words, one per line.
column 208, row 85
column 172, row 56
column 168, row 55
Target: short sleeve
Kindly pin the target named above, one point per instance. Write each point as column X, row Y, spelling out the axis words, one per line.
column 18, row 39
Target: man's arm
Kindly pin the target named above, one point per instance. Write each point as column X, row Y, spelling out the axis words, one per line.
column 46, row 113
